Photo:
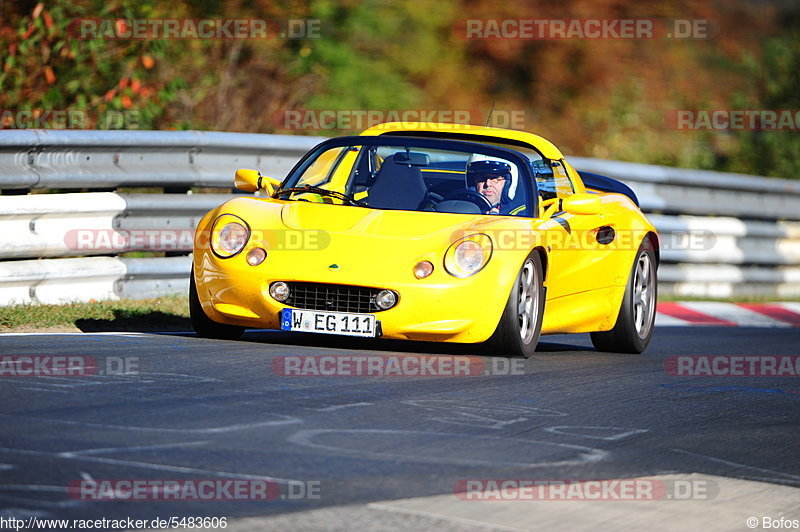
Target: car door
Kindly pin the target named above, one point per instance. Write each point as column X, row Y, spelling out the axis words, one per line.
column 578, row 259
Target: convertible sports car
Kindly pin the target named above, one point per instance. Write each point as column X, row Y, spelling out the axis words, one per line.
column 433, row 232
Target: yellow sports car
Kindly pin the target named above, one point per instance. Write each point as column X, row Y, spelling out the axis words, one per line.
column 434, row 232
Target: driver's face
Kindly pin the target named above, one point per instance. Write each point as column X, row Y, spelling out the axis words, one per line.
column 491, row 189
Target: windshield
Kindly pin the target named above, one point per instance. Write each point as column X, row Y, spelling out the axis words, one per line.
column 414, row 177
column 549, row 184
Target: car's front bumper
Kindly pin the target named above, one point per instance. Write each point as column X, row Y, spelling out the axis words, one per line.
column 438, row 308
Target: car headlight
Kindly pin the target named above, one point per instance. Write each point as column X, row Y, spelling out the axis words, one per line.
column 468, row 255
column 229, row 235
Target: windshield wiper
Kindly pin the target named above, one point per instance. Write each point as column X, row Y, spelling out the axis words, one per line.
column 322, row 192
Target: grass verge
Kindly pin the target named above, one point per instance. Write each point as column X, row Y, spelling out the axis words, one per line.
column 161, row 314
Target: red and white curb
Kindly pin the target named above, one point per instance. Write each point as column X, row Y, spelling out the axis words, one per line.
column 690, row 313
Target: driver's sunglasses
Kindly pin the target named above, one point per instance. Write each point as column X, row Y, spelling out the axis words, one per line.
column 494, row 179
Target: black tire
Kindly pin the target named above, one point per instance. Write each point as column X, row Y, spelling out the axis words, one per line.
column 204, row 326
column 520, row 326
column 634, row 327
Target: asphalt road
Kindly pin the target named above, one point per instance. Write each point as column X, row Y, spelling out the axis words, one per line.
column 195, row 409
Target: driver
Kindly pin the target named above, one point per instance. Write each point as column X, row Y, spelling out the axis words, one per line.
column 496, row 180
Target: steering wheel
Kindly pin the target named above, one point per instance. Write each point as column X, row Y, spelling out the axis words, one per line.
column 472, row 196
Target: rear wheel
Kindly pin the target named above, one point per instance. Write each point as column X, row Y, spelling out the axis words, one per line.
column 205, row 326
column 520, row 326
column 634, row 327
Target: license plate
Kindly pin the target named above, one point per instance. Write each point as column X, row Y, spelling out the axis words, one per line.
column 343, row 323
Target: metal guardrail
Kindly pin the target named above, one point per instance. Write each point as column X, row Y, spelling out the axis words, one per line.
column 94, row 278
column 702, row 192
column 99, row 223
column 723, row 235
column 35, row 159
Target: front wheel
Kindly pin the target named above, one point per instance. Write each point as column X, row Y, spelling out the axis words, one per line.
column 520, row 326
column 204, row 326
column 634, row 327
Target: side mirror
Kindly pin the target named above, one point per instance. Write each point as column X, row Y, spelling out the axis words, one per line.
column 252, row 180
column 582, row 204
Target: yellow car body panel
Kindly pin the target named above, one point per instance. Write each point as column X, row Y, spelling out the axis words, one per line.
column 325, row 242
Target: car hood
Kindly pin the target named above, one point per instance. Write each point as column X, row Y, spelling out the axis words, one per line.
column 385, row 232
column 373, row 222
column 371, row 247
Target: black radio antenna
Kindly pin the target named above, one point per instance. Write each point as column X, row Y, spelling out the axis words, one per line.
column 489, row 118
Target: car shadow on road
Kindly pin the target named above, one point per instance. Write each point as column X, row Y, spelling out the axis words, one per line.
column 128, row 321
column 407, row 346
column 163, row 323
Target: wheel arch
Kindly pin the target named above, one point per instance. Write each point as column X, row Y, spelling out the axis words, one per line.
column 543, row 255
column 653, row 238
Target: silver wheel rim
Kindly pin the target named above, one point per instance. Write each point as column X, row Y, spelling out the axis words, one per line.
column 528, row 301
column 643, row 295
